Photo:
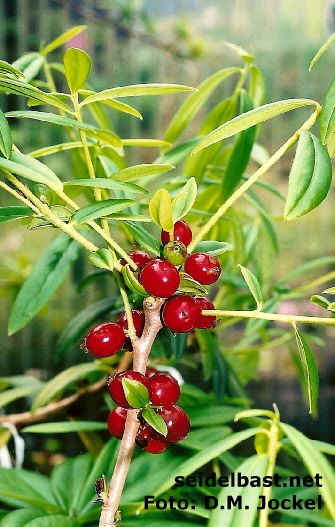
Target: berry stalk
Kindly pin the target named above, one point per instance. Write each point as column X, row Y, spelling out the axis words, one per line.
column 141, row 351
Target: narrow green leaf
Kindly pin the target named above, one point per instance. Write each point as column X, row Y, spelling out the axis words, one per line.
column 238, row 50
column 257, row 87
column 33, row 68
column 77, row 66
column 32, row 169
column 121, row 106
column 323, row 48
column 66, row 378
column 65, row 427
column 160, row 208
column 329, row 291
column 8, row 396
column 48, row 150
column 213, row 247
column 27, row 90
column 55, row 520
column 310, row 370
column 5, row 136
column 77, row 327
column 143, row 237
column 131, row 281
column 43, row 281
column 65, row 37
column 310, row 177
column 320, row 301
column 327, row 116
column 101, row 135
column 21, row 517
column 102, row 258
column 255, row 466
column 251, row 118
column 305, row 268
column 203, row 457
column 155, row 420
column 145, row 142
column 107, row 184
column 13, row 213
column 194, row 102
column 136, row 393
column 185, row 200
column 139, row 171
column 189, row 285
column 253, row 285
column 101, row 209
column 316, row 463
column 211, row 415
column 137, row 89
column 5, row 67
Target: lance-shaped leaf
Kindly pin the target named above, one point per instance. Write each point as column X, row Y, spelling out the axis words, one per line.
column 77, row 66
column 9, row 68
column 45, row 278
column 113, row 103
column 160, row 208
column 322, row 50
column 253, row 285
column 185, row 200
column 310, row 370
column 257, row 87
column 139, row 171
column 65, row 427
column 136, row 393
column 14, row 213
column 5, row 136
column 194, row 102
column 251, row 118
column 143, row 237
column 310, row 177
column 155, row 420
column 108, row 184
column 189, row 285
column 101, row 209
column 213, row 247
column 102, row 258
column 27, row 90
column 327, row 116
column 65, row 37
column 32, row 169
column 136, row 89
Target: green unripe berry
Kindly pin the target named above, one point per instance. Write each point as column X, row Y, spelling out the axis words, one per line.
column 43, row 193
column 175, row 253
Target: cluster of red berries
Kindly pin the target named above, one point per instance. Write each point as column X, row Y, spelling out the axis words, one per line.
column 164, row 392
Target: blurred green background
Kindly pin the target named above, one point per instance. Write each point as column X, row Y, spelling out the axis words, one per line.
column 178, row 41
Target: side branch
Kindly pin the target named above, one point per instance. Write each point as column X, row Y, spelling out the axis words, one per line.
column 269, row 316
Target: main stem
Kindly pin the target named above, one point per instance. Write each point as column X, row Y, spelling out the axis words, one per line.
column 141, row 351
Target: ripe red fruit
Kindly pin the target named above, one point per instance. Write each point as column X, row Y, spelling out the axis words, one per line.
column 203, row 267
column 164, row 389
column 145, row 440
column 181, row 233
column 116, row 389
column 150, row 372
column 206, row 321
column 105, row 339
column 138, row 319
column 160, row 278
column 117, row 421
column 181, row 313
column 141, row 258
column 177, row 422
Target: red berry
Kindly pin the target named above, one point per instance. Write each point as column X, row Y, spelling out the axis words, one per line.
column 141, row 258
column 150, row 372
column 145, row 440
column 105, row 339
column 117, row 421
column 181, row 233
column 138, row 319
column 160, row 278
column 164, row 389
column 116, row 389
column 181, row 313
column 206, row 321
column 177, row 422
column 203, row 267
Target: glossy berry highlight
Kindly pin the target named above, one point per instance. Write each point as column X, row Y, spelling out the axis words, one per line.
column 203, row 267
column 160, row 278
column 181, row 233
column 105, row 339
column 115, row 386
column 116, row 422
column 164, row 389
column 181, row 313
column 206, row 321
